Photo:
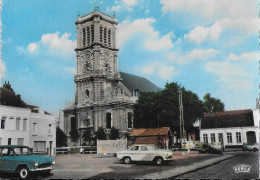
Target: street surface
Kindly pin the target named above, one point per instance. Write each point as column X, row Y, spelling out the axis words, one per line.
column 88, row 166
column 224, row 169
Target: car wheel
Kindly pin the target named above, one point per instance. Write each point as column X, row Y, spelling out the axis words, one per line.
column 23, row 172
column 127, row 160
column 254, row 149
column 159, row 161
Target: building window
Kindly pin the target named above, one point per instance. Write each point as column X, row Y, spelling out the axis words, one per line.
column 130, row 120
column 238, row 136
column 9, row 141
column 105, row 36
column 20, row 141
column 18, row 122
column 84, row 37
column 92, row 33
column 73, row 123
column 205, row 138
column 25, row 124
column 212, row 137
column 0, row 141
column 108, row 119
column 50, row 129
column 39, row 146
column 88, row 35
column 3, row 120
column 34, row 128
column 101, row 34
column 220, row 135
column 109, row 37
column 229, row 137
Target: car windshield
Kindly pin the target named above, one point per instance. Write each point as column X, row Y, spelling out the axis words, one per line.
column 152, row 147
column 22, row 151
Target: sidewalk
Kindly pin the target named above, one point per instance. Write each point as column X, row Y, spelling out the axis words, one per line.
column 176, row 171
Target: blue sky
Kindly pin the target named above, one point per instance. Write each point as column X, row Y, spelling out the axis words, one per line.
column 204, row 45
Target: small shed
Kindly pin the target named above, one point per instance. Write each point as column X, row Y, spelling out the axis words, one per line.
column 157, row 136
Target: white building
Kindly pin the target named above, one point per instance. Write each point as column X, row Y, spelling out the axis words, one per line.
column 22, row 124
column 236, row 127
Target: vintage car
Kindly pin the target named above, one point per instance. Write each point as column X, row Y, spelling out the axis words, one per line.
column 145, row 153
column 254, row 147
column 20, row 160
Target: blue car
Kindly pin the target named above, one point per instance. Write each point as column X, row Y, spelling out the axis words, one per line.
column 20, row 160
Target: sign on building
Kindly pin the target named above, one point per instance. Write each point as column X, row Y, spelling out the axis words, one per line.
column 110, row 147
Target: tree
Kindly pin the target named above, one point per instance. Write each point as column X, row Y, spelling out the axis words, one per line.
column 114, row 134
column 87, row 136
column 158, row 109
column 211, row 104
column 100, row 134
column 74, row 135
column 61, row 138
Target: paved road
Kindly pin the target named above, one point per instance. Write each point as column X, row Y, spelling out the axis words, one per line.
column 224, row 169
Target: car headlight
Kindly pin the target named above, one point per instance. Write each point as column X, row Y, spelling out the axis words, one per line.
column 53, row 162
column 36, row 163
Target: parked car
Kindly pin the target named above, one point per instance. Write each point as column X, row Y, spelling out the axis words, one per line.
column 145, row 153
column 245, row 146
column 254, row 147
column 20, row 160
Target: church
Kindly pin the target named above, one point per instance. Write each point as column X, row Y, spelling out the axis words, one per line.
column 104, row 96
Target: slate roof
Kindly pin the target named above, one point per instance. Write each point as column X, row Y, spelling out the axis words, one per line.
column 236, row 118
column 8, row 98
column 133, row 82
column 151, row 132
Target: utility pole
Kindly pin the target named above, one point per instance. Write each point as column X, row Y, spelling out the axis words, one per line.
column 181, row 117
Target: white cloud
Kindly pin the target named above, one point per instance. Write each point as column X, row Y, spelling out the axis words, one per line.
column 159, row 44
column 72, row 70
column 59, row 45
column 246, row 56
column 52, row 44
column 232, row 77
column 32, row 47
column 2, row 70
column 239, row 26
column 162, row 70
column 127, row 29
column 212, row 10
column 130, row 2
column 116, row 8
column 194, row 54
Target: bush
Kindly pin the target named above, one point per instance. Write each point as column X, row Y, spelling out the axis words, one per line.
column 206, row 148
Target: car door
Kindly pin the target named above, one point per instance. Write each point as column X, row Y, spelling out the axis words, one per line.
column 144, row 154
column 6, row 160
column 134, row 153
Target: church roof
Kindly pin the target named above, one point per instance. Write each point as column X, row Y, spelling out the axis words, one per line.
column 133, row 82
column 151, row 131
column 236, row 118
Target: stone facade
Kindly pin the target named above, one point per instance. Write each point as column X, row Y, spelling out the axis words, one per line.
column 101, row 99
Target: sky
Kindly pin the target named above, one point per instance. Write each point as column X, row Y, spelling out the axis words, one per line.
column 207, row 46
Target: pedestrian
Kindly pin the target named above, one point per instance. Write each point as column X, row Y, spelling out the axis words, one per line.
column 81, row 150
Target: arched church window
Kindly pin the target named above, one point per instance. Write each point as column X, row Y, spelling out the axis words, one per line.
column 84, row 37
column 130, row 119
column 87, row 92
column 108, row 120
column 92, row 33
column 88, row 36
column 101, row 34
column 109, row 37
column 105, row 36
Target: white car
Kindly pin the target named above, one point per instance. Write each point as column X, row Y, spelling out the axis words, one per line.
column 145, row 153
column 254, row 147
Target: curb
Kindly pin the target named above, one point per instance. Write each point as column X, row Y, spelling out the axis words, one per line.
column 185, row 169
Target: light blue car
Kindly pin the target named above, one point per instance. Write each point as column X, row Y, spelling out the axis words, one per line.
column 20, row 160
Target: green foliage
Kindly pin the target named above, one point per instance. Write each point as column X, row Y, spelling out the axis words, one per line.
column 114, row 134
column 159, row 109
column 211, row 104
column 100, row 134
column 74, row 135
column 61, row 138
column 208, row 149
column 87, row 136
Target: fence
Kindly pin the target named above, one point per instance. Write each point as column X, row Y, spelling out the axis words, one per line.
column 110, row 147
